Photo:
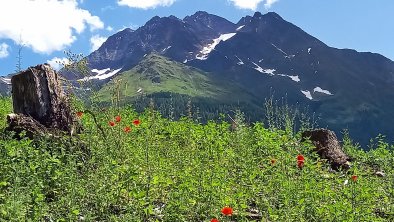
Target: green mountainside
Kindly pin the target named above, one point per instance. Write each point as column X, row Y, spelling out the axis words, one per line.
column 172, row 85
column 157, row 74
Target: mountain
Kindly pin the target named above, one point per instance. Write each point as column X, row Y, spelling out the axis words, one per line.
column 261, row 56
column 172, row 85
column 156, row 73
column 5, row 85
column 177, row 39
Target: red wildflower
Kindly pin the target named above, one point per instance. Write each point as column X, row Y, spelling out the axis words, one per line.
column 214, row 220
column 136, row 122
column 127, row 129
column 300, row 158
column 354, row 178
column 273, row 161
column 79, row 114
column 117, row 119
column 110, row 123
column 300, row 161
column 227, row 211
column 300, row 164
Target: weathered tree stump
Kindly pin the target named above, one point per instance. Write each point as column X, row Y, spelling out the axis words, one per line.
column 18, row 123
column 39, row 103
column 328, row 147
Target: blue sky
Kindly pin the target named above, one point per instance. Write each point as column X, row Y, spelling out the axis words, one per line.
column 48, row 27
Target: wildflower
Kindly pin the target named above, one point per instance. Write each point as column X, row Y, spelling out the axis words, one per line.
column 214, row 220
column 346, row 182
column 111, row 123
column 136, row 122
column 79, row 114
column 300, row 164
column 117, row 119
column 273, row 161
column 300, row 161
column 227, row 211
column 127, row 129
column 300, row 158
column 354, row 178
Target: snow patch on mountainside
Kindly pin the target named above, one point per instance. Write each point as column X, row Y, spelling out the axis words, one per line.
column 280, row 50
column 265, row 71
column 208, row 49
column 320, row 90
column 101, row 71
column 6, row 80
column 166, row 48
column 240, row 61
column 307, row 94
column 294, row 78
column 240, row 27
column 101, row 74
column 309, row 50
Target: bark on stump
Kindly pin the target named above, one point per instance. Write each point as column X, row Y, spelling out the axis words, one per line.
column 39, row 103
column 328, row 147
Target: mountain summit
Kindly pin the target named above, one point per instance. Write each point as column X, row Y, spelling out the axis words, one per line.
column 261, row 55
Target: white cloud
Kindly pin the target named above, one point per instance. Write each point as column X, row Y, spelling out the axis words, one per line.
column 145, row 4
column 252, row 4
column 3, row 50
column 57, row 63
column 45, row 25
column 96, row 41
column 109, row 29
column 268, row 3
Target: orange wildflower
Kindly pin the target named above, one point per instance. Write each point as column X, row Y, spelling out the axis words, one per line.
column 227, row 211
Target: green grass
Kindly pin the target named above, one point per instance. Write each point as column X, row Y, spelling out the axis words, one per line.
column 159, row 74
column 185, row 171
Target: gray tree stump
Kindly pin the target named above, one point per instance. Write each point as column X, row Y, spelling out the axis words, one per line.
column 328, row 147
column 39, row 103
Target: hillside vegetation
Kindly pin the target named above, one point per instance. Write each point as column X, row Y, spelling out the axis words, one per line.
column 142, row 167
column 157, row 74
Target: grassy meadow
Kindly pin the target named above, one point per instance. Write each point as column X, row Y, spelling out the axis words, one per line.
column 129, row 166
